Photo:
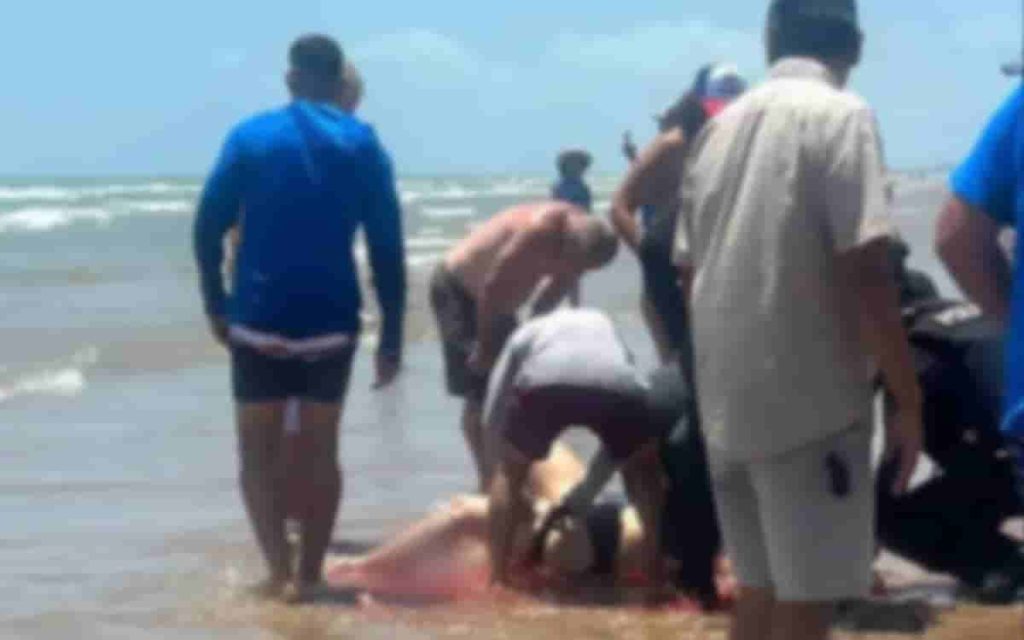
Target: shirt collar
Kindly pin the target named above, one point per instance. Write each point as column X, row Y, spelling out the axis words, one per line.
column 804, row 69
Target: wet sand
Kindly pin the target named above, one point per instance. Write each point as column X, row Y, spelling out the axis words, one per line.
column 532, row 621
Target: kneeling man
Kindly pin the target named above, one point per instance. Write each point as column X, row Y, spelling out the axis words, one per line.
column 566, row 369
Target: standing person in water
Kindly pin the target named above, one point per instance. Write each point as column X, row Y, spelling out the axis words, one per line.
column 479, row 287
column 572, row 188
column 652, row 188
column 307, row 176
column 783, row 246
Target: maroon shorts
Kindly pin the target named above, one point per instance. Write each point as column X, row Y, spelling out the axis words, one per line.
column 622, row 421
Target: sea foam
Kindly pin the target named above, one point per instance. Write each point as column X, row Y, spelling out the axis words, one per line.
column 67, row 382
column 49, row 218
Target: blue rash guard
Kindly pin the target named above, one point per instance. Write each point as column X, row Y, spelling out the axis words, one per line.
column 302, row 179
column 992, row 181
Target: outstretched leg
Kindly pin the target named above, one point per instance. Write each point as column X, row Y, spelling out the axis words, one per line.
column 442, row 555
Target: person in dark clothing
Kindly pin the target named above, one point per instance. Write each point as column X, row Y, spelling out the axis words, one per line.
column 952, row 523
column 652, row 186
column 571, row 187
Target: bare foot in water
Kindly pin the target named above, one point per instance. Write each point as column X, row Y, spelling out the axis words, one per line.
column 301, row 592
column 269, row 589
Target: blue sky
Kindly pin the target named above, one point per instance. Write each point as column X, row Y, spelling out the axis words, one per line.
column 109, row 86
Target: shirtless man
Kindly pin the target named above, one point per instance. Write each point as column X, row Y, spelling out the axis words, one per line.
column 479, row 287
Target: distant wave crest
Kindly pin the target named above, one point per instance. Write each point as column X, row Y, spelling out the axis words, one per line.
column 49, row 218
column 55, row 193
column 67, row 382
column 445, row 213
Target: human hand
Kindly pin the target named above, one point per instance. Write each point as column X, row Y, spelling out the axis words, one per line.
column 389, row 365
column 903, row 442
column 536, row 550
column 479, row 362
column 219, row 329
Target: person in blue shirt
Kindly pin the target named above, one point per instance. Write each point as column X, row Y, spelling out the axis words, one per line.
column 572, row 188
column 987, row 197
column 299, row 181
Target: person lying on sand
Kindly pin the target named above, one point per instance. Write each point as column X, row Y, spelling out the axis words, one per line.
column 483, row 281
column 444, row 556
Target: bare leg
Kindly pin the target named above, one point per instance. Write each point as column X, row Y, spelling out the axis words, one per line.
column 473, row 431
column 445, row 554
column 801, row 621
column 320, row 422
column 509, row 508
column 262, row 471
column 752, row 614
column 645, row 487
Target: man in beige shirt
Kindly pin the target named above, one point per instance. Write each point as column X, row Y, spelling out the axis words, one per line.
column 783, row 246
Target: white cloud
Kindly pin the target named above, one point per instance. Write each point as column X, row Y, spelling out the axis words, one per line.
column 658, row 49
column 419, row 46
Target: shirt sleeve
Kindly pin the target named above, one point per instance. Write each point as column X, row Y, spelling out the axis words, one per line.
column 382, row 224
column 857, row 208
column 219, row 209
column 986, row 179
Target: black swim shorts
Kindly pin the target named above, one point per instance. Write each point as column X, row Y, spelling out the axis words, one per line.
column 258, row 377
column 456, row 311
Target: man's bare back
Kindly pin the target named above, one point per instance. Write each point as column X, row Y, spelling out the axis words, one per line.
column 473, row 259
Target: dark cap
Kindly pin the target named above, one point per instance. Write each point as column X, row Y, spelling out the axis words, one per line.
column 838, row 10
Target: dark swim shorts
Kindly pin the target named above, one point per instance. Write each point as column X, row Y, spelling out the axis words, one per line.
column 258, row 377
column 624, row 422
column 456, row 312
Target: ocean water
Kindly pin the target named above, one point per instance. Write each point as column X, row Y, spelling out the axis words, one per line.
column 119, row 514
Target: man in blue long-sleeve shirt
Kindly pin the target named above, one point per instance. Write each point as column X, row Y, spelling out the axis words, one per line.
column 300, row 180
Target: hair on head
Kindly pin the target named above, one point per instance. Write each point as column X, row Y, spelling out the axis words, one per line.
column 317, row 56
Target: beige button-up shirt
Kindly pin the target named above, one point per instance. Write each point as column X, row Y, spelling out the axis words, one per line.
column 780, row 183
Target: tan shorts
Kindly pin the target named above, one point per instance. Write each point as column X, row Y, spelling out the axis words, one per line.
column 801, row 524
